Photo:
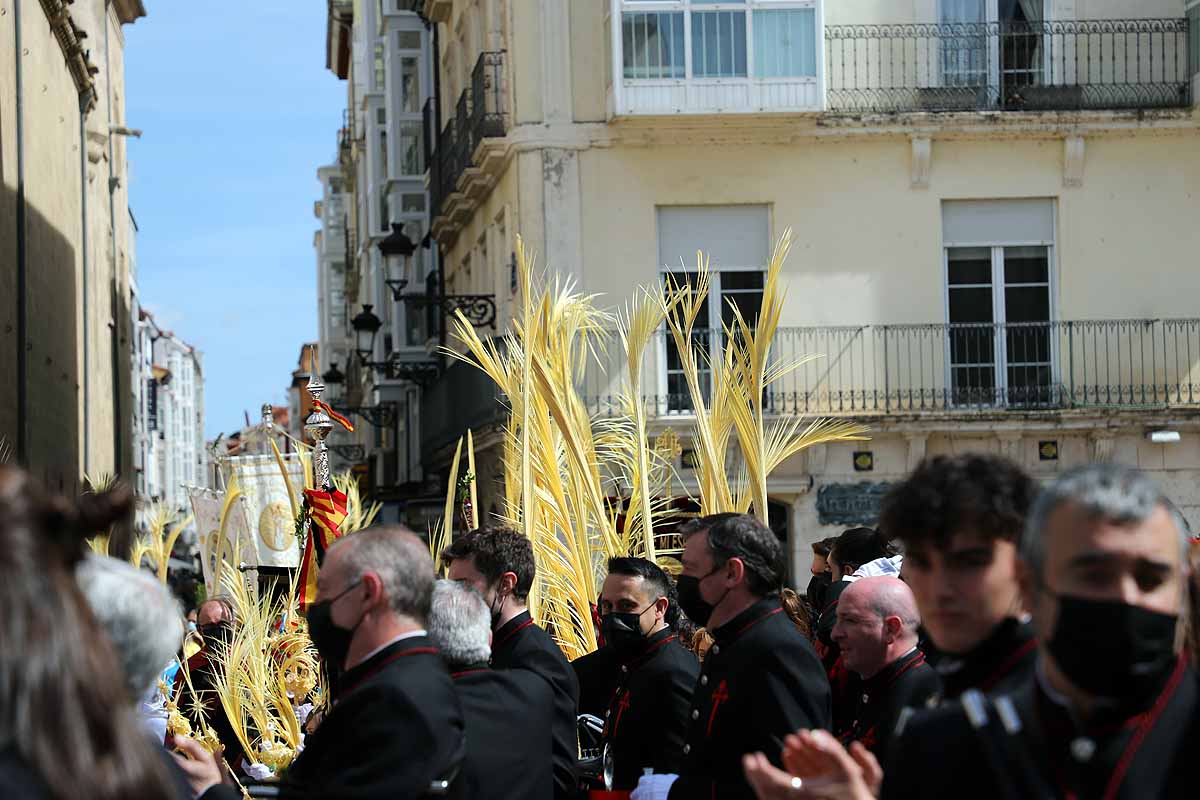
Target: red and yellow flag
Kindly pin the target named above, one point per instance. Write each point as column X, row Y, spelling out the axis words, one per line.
column 333, row 415
column 326, row 511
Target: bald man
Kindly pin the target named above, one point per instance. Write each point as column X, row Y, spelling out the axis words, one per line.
column 876, row 629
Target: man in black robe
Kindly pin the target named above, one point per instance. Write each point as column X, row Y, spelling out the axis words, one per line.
column 648, row 715
column 396, row 724
column 877, row 633
column 959, row 519
column 498, row 563
column 508, row 712
column 761, row 679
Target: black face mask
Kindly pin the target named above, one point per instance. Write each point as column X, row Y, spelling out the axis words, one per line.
column 691, row 602
column 216, row 634
column 1112, row 649
column 331, row 640
column 623, row 630
column 816, row 589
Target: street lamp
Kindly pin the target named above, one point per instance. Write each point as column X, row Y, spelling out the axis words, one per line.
column 333, row 376
column 396, row 249
column 365, row 325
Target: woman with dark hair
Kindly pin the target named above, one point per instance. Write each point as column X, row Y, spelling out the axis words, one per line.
column 67, row 729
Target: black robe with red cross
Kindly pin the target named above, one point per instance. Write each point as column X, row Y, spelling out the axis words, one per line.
column 648, row 716
column 907, row 682
column 760, row 681
column 1043, row 751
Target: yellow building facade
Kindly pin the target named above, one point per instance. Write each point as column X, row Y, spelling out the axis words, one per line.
column 994, row 205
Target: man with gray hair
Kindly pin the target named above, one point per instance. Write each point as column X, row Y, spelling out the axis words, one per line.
column 508, row 712
column 876, row 631
column 395, row 726
column 141, row 618
column 1113, row 710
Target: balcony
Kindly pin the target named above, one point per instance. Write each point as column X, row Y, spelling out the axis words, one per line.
column 672, row 58
column 465, row 165
column 462, row 397
column 932, row 369
column 1121, row 64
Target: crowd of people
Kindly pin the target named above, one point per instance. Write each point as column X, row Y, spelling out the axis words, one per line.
column 991, row 637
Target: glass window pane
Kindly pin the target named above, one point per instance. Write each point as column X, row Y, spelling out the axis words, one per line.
column 1026, row 265
column 409, row 40
column 732, row 281
column 719, row 44
column 1027, row 304
column 410, row 86
column 412, row 203
column 652, row 45
column 785, row 43
column 412, row 157
column 970, row 305
column 969, row 265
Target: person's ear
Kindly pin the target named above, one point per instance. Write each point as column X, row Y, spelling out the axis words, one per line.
column 892, row 628
column 735, row 570
column 508, row 583
column 372, row 589
column 660, row 608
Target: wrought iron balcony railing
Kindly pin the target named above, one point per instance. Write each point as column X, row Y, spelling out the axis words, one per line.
column 872, row 370
column 1020, row 66
column 479, row 114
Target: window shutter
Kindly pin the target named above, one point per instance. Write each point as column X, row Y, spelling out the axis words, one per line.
column 731, row 236
column 997, row 222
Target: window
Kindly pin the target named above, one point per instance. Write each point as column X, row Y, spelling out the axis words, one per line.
column 410, row 85
column 652, row 45
column 1010, row 47
column 1001, row 342
column 412, row 159
column 736, row 240
column 729, row 39
column 379, row 66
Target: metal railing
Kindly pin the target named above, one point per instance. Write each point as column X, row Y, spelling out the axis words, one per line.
column 1010, row 66
column 921, row 368
column 479, row 114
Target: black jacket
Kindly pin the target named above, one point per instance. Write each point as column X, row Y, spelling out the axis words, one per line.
column 508, row 715
column 519, row 643
column 598, row 674
column 648, row 717
column 761, row 681
column 908, row 682
column 1141, row 753
column 395, row 728
column 999, row 663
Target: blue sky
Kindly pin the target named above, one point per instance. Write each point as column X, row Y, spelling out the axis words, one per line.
column 238, row 112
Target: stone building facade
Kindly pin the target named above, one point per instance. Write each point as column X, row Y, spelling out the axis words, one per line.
column 66, row 238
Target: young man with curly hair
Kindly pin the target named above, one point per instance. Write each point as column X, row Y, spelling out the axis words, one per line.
column 960, row 520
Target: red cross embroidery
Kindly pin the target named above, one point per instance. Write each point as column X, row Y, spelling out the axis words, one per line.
column 718, row 697
column 622, row 707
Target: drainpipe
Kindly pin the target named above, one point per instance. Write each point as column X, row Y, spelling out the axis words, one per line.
column 115, row 323
column 22, row 332
column 85, row 99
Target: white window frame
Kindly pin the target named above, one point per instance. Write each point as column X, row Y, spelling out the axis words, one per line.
column 999, row 314
column 687, row 7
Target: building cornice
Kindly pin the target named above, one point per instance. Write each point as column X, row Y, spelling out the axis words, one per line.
column 129, row 11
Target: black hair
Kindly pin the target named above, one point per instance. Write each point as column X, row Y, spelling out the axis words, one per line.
column 656, row 579
column 858, row 546
column 823, row 547
column 497, row 550
column 947, row 495
column 743, row 537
